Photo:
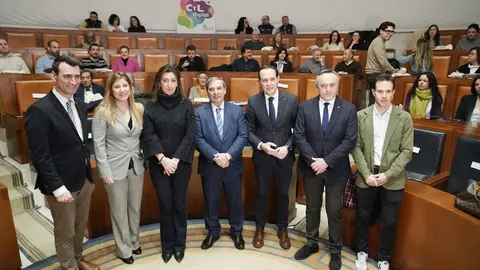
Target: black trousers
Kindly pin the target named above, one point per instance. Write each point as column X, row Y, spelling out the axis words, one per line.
column 371, row 85
column 212, row 188
column 334, row 203
column 172, row 198
column 265, row 173
column 390, row 201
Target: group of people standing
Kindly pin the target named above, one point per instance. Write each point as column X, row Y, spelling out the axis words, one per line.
column 163, row 134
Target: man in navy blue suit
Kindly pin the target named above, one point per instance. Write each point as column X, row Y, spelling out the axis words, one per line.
column 89, row 89
column 221, row 133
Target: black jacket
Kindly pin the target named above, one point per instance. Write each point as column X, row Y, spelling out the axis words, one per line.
column 466, row 70
column 287, row 67
column 465, row 108
column 58, row 154
column 195, row 65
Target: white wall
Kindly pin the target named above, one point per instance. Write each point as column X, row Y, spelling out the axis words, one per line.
column 309, row 16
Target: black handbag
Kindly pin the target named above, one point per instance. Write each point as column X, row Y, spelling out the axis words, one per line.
column 468, row 202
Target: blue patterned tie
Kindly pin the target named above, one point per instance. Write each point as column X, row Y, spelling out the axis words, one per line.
column 325, row 118
column 219, row 122
column 271, row 111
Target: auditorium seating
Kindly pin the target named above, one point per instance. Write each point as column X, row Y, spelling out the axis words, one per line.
column 466, row 164
column 427, row 154
column 115, row 42
column 446, row 62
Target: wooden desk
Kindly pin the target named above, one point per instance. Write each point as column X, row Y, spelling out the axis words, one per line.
column 9, row 253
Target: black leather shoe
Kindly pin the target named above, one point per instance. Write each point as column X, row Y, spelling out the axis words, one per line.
column 239, row 242
column 179, row 256
column 305, row 252
column 208, row 242
column 137, row 251
column 127, row 260
column 166, row 257
column 335, row 262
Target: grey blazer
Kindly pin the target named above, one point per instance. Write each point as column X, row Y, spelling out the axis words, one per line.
column 116, row 145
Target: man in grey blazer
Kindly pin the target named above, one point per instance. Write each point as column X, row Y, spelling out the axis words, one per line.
column 325, row 133
column 271, row 116
column 120, row 163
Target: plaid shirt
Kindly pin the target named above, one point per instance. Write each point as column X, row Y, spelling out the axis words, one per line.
column 350, row 196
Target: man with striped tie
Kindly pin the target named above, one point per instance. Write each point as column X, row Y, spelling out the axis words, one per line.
column 221, row 133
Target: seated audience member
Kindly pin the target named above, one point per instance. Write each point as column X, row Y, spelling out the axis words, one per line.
column 199, row 90
column 89, row 92
column 191, row 62
column 281, row 62
column 114, row 24
column 424, row 99
column 89, row 38
column 243, row 27
column 136, row 26
column 421, row 60
column 473, row 65
column 334, row 43
column 44, row 63
column 266, row 28
column 315, row 65
column 471, row 41
column 139, row 93
column 255, row 43
column 92, row 22
column 357, row 43
column 11, row 62
column 349, row 65
column 125, row 63
column 94, row 61
column 433, row 36
column 469, row 107
column 278, row 42
column 246, row 63
column 286, row 27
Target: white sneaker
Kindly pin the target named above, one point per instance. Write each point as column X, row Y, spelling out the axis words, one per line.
column 383, row 265
column 361, row 262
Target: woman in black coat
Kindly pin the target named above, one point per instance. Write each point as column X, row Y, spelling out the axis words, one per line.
column 281, row 62
column 243, row 27
column 469, row 107
column 168, row 144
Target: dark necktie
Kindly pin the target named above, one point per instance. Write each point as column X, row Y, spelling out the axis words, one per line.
column 325, row 118
column 271, row 111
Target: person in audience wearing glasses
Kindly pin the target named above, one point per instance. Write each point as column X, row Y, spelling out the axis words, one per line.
column 471, row 40
column 89, row 92
column 191, row 62
column 199, row 90
column 286, row 27
column 243, row 27
column 383, row 149
column 125, row 63
column 246, row 63
column 432, row 35
column 271, row 116
column 325, row 133
column 89, row 37
column 334, row 42
column 377, row 61
column 116, row 130
column 45, row 62
column 266, row 28
column 255, row 43
column 94, row 61
column 168, row 144
column 357, row 43
column 114, row 24
column 473, row 65
column 136, row 26
column 278, row 42
column 281, row 62
column 421, row 60
column 349, row 65
column 221, row 133
column 315, row 65
column 92, row 22
column 424, row 100
column 469, row 107
column 11, row 62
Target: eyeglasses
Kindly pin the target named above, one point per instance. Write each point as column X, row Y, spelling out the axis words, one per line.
column 390, row 31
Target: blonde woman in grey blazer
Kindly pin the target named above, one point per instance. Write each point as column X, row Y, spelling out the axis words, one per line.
column 116, row 129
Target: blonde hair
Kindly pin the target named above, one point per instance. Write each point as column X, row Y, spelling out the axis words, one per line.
column 108, row 102
column 424, row 53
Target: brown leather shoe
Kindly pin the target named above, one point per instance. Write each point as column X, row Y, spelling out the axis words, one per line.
column 84, row 265
column 283, row 239
column 258, row 239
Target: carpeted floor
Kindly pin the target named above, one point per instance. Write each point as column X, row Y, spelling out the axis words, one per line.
column 222, row 256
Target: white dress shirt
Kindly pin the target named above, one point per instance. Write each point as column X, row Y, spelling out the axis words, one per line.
column 380, row 124
column 267, row 104
column 78, row 124
column 321, row 106
column 473, row 68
